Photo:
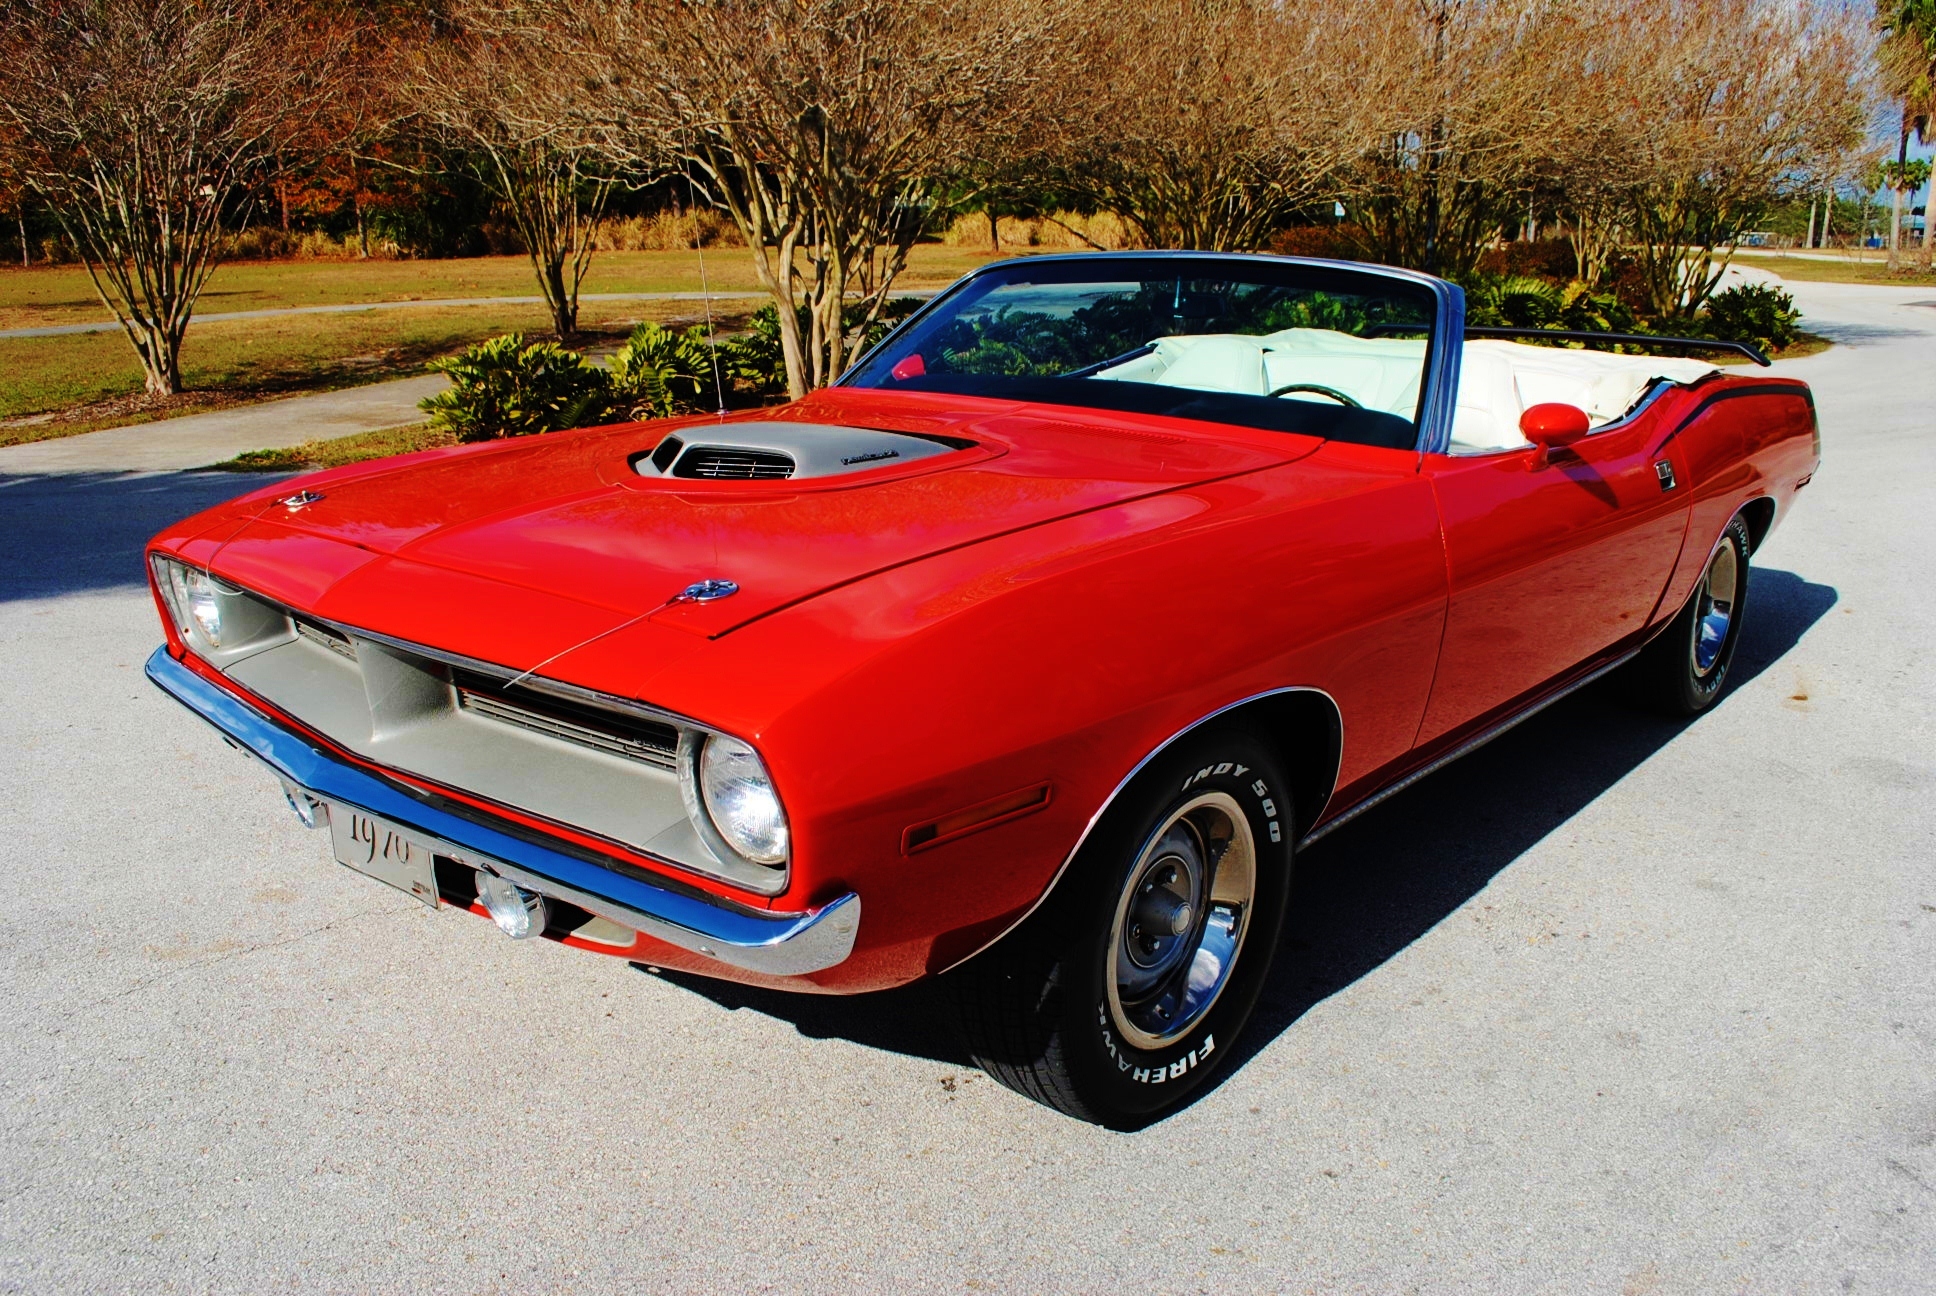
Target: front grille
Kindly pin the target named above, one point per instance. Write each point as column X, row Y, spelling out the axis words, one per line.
column 334, row 640
column 746, row 465
column 636, row 739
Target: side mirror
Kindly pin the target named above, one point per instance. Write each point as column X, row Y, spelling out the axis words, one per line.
column 1553, row 424
column 1550, row 426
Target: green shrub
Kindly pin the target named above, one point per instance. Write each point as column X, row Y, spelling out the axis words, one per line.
column 1513, row 301
column 1596, row 312
column 1751, row 312
column 659, row 373
column 755, row 357
column 505, row 387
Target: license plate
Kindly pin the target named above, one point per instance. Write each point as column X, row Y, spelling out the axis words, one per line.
column 383, row 850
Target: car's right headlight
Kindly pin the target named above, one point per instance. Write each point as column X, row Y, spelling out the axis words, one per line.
column 740, row 800
column 190, row 594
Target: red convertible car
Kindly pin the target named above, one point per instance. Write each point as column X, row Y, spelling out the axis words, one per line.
column 1031, row 652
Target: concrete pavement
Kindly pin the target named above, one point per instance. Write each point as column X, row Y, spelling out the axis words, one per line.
column 199, row 440
column 1615, row 1005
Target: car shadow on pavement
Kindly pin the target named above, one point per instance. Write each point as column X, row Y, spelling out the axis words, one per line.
column 1379, row 883
column 83, row 532
column 1849, row 334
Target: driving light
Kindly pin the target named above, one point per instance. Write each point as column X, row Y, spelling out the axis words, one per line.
column 741, row 801
column 310, row 812
column 518, row 913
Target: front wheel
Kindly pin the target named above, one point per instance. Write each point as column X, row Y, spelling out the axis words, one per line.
column 1119, row 998
column 1682, row 670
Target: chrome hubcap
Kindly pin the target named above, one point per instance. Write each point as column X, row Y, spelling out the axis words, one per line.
column 1180, row 922
column 1715, row 612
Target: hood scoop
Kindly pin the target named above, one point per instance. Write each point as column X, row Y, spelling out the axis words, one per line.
column 776, row 451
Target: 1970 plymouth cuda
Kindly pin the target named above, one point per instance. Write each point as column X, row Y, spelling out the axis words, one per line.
column 1035, row 648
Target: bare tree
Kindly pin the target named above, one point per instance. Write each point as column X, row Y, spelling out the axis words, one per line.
column 1465, row 128
column 1209, row 123
column 826, row 128
column 1712, row 128
column 497, row 92
column 145, row 124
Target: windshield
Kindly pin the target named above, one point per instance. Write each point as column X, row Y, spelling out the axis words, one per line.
column 1258, row 343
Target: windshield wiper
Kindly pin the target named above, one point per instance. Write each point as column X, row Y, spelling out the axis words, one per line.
column 1110, row 363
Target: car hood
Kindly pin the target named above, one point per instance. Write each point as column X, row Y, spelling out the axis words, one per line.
column 521, row 550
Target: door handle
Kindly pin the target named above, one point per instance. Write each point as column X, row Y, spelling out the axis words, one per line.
column 1665, row 471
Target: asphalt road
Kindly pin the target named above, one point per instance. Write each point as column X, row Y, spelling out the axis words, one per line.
column 1617, row 1005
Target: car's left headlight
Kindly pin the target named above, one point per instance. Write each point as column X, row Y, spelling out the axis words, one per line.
column 740, row 800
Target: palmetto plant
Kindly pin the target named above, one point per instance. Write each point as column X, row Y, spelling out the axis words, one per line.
column 506, row 387
column 658, row 373
column 1516, row 301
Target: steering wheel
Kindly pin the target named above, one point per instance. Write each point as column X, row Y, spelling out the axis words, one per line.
column 1321, row 390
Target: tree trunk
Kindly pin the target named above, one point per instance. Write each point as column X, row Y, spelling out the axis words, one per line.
column 1895, row 230
column 160, row 357
column 1922, row 253
column 356, row 201
column 1828, row 214
column 994, row 232
column 563, row 302
column 1809, row 240
column 1895, row 204
column 26, row 258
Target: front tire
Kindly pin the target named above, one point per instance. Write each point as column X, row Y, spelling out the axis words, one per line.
column 1122, row 995
column 1681, row 672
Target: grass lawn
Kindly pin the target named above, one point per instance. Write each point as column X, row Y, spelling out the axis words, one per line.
column 312, row 455
column 32, row 298
column 78, row 382
column 87, row 381
column 1869, row 267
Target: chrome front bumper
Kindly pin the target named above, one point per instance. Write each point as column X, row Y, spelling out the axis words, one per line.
column 758, row 940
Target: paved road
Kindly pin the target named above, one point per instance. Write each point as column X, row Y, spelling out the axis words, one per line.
column 1616, row 1006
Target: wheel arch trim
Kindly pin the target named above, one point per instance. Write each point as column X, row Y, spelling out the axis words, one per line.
column 1303, row 823
column 1759, row 512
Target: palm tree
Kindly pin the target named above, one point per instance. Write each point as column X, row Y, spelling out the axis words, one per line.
column 1909, row 67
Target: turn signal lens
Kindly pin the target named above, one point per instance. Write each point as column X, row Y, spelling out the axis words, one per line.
column 741, row 801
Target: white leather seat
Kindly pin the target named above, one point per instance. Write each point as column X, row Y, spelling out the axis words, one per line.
column 1219, row 363
column 1498, row 381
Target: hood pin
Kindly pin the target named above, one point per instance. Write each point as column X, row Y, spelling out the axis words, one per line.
column 706, row 591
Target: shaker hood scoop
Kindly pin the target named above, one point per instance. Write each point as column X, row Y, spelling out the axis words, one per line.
column 771, row 450
column 549, row 517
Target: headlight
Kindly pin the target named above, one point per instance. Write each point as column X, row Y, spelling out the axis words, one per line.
column 740, row 800
column 189, row 593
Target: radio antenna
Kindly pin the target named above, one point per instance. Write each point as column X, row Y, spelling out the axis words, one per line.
column 705, row 291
